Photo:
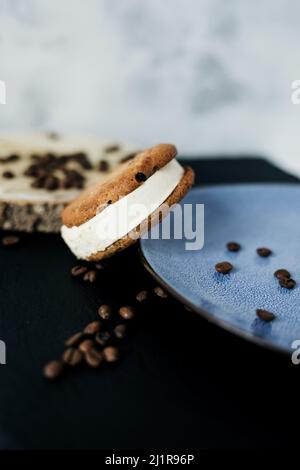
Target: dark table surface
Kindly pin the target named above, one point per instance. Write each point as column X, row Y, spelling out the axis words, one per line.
column 181, row 382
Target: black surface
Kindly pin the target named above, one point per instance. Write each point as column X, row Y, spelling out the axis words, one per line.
column 181, row 383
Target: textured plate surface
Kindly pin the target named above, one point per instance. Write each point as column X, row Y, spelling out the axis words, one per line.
column 254, row 216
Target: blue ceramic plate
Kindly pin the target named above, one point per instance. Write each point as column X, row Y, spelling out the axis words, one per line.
column 255, row 216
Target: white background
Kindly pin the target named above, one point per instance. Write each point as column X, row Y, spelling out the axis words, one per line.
column 212, row 76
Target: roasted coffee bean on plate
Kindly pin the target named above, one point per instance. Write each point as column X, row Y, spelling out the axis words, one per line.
column 160, row 292
column 78, row 271
column 72, row 356
column 53, row 370
column 90, row 276
column 265, row 315
column 92, row 328
column 10, row 240
column 111, row 354
column 105, row 311
column 224, row 267
column 127, row 312
column 233, row 246
column 282, row 274
column 143, row 295
column 287, row 283
column 263, row 252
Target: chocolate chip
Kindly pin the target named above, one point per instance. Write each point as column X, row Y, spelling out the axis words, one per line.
column 51, row 183
column 282, row 274
column 10, row 240
column 140, row 177
column 78, row 271
column 10, row 159
column 92, row 328
column 160, row 292
column 103, row 166
column 142, row 296
column 39, row 183
column 94, row 358
column 102, row 338
column 111, row 354
column 90, row 276
column 74, row 340
column 224, row 268
column 233, row 246
column 128, row 157
column 86, row 345
column 112, row 148
column 53, row 370
column 287, row 283
column 265, row 315
column 72, row 356
column 8, row 174
column 105, row 311
column 127, row 312
column 120, row 331
column 82, row 159
column 109, row 202
column 263, row 252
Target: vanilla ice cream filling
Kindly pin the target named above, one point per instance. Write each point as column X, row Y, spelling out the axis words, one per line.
column 118, row 219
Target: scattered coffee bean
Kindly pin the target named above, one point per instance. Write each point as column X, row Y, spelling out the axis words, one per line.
column 74, row 340
column 120, row 331
column 53, row 370
column 111, row 354
column 86, row 345
column 127, row 312
column 105, row 311
column 287, row 283
column 8, row 175
column 112, row 148
column 90, row 276
column 93, row 357
column 103, row 166
column 140, row 177
column 92, row 328
column 102, row 338
column 233, row 246
column 78, row 271
column 282, row 274
column 263, row 252
column 72, row 356
column 10, row 240
column 265, row 315
column 160, row 292
column 99, row 266
column 224, row 268
column 142, row 296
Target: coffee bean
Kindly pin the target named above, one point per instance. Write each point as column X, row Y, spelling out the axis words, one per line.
column 90, row 276
column 287, row 283
column 99, row 266
column 78, row 271
column 74, row 340
column 10, row 240
column 282, row 274
column 93, row 357
column 127, row 312
column 72, row 356
column 92, row 328
column 233, row 246
column 102, row 338
column 224, row 268
column 160, row 292
column 142, row 296
column 86, row 345
column 103, row 166
column 53, row 370
column 8, row 175
column 140, row 177
column 105, row 311
column 265, row 315
column 263, row 252
column 120, row 331
column 112, row 148
column 111, row 354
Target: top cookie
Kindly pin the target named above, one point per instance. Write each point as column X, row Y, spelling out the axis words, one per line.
column 121, row 182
